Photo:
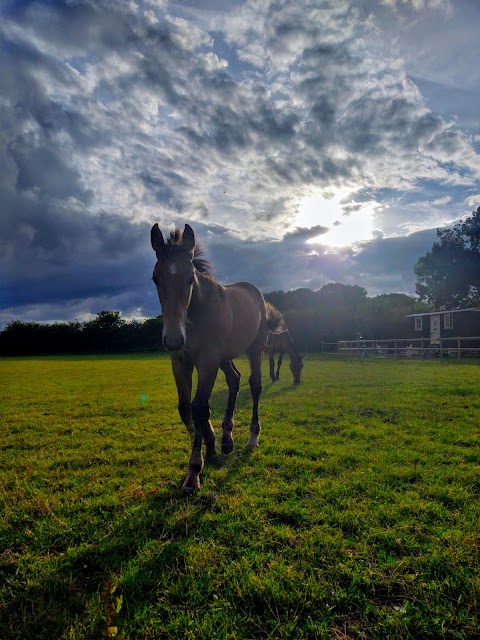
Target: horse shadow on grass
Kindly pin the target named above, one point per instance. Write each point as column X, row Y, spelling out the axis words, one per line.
column 100, row 582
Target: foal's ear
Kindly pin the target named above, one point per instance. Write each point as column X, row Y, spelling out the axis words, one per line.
column 189, row 239
column 156, row 237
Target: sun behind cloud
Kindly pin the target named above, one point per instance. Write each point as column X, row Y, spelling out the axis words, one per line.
column 347, row 223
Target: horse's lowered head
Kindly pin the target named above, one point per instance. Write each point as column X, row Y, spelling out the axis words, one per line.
column 174, row 276
column 296, row 366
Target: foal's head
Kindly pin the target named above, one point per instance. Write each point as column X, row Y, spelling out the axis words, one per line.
column 296, row 366
column 174, row 277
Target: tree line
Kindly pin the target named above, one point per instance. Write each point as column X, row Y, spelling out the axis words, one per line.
column 108, row 332
column 317, row 320
column 335, row 312
column 448, row 277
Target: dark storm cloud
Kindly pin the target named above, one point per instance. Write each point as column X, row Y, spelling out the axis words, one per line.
column 43, row 170
column 60, row 247
column 69, row 263
column 305, row 234
column 386, row 264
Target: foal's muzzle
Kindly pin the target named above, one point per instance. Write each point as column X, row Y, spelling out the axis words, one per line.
column 173, row 344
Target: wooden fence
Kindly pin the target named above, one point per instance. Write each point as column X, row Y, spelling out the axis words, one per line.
column 459, row 347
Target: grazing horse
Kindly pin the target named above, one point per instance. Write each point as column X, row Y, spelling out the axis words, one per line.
column 280, row 341
column 206, row 325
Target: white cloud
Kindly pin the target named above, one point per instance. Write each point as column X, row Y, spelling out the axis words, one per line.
column 440, row 202
column 214, row 63
column 446, row 7
column 157, row 4
column 151, row 17
column 473, row 201
column 187, row 35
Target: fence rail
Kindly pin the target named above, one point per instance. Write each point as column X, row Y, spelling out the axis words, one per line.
column 458, row 347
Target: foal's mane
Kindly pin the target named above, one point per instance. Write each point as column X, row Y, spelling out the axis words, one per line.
column 199, row 260
column 276, row 321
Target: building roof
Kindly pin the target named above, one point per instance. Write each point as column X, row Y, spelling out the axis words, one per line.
column 437, row 313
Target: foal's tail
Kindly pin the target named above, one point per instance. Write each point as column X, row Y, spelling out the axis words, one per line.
column 275, row 320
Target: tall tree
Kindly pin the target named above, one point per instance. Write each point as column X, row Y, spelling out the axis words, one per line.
column 448, row 276
column 384, row 316
column 100, row 333
column 341, row 295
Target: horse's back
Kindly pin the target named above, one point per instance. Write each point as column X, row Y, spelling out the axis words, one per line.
column 249, row 317
column 246, row 291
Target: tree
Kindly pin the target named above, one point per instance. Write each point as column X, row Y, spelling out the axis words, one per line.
column 335, row 294
column 448, row 276
column 384, row 316
column 100, row 333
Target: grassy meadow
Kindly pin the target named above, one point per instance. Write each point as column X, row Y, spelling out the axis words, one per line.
column 358, row 517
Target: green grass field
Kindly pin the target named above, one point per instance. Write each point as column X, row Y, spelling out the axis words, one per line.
column 358, row 517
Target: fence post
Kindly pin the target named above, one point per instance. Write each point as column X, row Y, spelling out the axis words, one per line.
column 458, row 348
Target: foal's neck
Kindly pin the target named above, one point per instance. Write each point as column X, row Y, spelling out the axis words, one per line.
column 205, row 292
column 291, row 349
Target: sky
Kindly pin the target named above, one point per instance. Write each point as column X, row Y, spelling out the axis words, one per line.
column 305, row 142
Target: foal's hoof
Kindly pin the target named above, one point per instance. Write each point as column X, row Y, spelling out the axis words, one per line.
column 212, row 460
column 227, row 447
column 191, row 485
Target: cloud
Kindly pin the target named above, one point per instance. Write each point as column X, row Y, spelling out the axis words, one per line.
column 473, row 201
column 446, row 7
column 116, row 115
column 442, row 201
column 306, row 234
column 387, row 264
column 55, row 251
column 307, row 125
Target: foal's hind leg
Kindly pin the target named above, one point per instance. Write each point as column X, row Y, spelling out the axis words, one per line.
column 255, row 380
column 271, row 361
column 232, row 376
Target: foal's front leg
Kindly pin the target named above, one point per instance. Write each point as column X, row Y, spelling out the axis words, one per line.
column 279, row 364
column 207, row 373
column 182, row 368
